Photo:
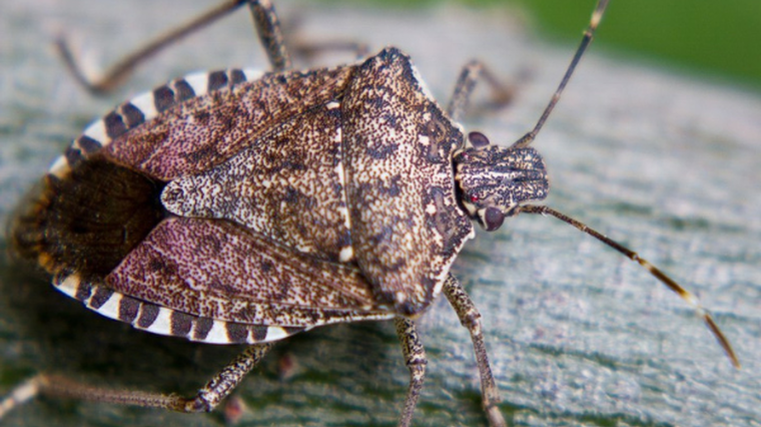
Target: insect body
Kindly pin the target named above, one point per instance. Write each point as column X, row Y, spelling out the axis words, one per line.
column 234, row 207
column 322, row 191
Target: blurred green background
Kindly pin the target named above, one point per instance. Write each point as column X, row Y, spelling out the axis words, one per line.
column 716, row 39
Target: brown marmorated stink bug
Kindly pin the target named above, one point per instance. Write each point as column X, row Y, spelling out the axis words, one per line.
column 233, row 207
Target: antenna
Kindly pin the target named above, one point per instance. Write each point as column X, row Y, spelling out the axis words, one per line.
column 585, row 41
column 661, row 276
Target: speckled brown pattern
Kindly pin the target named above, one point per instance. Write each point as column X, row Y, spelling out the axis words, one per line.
column 406, row 225
column 200, row 133
column 220, row 270
column 287, row 185
column 295, row 200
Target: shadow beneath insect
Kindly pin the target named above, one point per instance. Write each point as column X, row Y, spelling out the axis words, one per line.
column 54, row 333
column 58, row 334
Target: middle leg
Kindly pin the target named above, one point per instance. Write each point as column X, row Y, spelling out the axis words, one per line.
column 471, row 73
column 414, row 357
column 471, row 319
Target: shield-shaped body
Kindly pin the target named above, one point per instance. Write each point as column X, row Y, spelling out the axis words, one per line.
column 236, row 207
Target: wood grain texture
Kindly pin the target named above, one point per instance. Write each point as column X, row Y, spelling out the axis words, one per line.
column 577, row 335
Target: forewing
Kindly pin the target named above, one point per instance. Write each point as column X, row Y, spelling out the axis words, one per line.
column 194, row 123
column 219, row 270
column 287, row 185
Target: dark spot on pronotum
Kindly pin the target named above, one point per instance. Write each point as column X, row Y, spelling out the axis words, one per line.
column 376, row 103
column 390, row 119
column 155, row 265
column 393, row 188
column 291, row 195
column 380, row 238
column 381, row 151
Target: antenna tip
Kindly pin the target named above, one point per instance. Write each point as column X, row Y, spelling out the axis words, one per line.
column 597, row 14
column 723, row 341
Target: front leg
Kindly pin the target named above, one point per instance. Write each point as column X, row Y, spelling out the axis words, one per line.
column 471, row 319
column 414, row 357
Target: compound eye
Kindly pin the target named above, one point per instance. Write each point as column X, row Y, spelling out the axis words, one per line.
column 478, row 140
column 493, row 218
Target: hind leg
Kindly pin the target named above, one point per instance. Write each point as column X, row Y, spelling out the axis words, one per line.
column 265, row 21
column 208, row 397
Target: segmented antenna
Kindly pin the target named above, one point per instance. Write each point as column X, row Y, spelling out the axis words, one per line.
column 661, row 276
column 585, row 41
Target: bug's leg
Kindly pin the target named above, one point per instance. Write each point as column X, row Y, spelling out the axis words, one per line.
column 265, row 19
column 308, row 49
column 207, row 398
column 270, row 33
column 414, row 357
column 471, row 319
column 471, row 73
column 304, row 47
column 225, row 381
column 20, row 394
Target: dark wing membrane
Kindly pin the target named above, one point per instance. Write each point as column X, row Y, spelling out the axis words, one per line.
column 218, row 270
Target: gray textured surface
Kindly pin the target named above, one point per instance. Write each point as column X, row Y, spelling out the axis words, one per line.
column 577, row 335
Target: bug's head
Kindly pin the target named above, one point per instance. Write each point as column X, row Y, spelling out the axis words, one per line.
column 493, row 181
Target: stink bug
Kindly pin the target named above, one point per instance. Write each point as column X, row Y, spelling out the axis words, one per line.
column 193, row 223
